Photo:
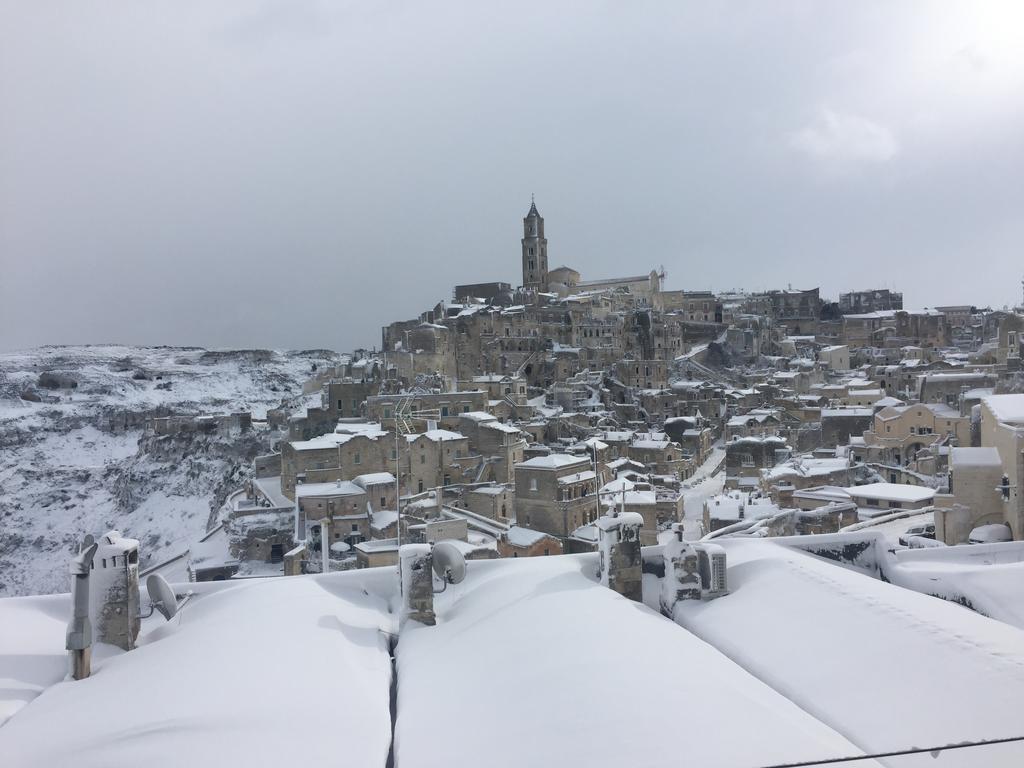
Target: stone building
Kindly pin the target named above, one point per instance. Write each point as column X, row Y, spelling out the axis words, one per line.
column 420, row 408
column 535, row 251
column 499, row 445
column 642, row 374
column 526, row 542
column 899, row 433
column 861, row 302
column 341, row 508
column 494, row 501
column 660, row 455
column 975, row 477
column 745, row 457
column 556, row 493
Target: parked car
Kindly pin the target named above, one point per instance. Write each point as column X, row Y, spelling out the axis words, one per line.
column 925, row 530
column 990, row 534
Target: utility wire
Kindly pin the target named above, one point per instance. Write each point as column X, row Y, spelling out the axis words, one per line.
column 898, row 753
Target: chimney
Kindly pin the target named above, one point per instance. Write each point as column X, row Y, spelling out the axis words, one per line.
column 114, row 590
column 415, row 571
column 79, row 634
column 620, row 558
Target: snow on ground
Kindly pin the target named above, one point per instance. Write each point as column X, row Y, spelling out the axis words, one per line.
column 698, row 489
column 77, row 461
column 885, row 666
column 256, row 673
column 533, row 663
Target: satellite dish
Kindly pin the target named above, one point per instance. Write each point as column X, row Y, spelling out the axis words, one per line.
column 162, row 596
column 449, row 564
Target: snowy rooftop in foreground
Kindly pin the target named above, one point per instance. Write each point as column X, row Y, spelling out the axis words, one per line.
column 803, row 660
column 886, row 666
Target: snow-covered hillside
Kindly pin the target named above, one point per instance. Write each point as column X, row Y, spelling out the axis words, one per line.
column 74, row 457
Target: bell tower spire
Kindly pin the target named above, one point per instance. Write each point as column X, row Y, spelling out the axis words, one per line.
column 535, row 250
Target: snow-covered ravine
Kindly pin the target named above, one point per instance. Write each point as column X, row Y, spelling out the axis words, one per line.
column 74, row 457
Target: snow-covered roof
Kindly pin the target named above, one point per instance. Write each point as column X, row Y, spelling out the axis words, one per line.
column 436, row 435
column 651, row 445
column 501, row 427
column 874, row 660
column 848, row 412
column 340, row 436
column 892, row 492
column 176, row 700
column 1008, row 409
column 727, row 506
column 339, row 488
column 478, row 416
column 577, row 477
column 519, row 536
column 974, row 457
column 490, row 490
column 374, row 478
column 586, row 639
column 553, row 461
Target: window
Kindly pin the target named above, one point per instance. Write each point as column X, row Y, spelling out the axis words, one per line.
column 533, row 486
column 341, row 405
column 873, row 502
column 530, row 252
column 355, row 527
column 387, row 413
column 444, row 411
column 465, row 409
column 423, row 458
column 547, row 551
column 357, row 459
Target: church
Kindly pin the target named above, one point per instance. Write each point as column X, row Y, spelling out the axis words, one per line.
column 565, row 281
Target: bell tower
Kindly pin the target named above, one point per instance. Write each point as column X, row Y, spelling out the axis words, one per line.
column 535, row 250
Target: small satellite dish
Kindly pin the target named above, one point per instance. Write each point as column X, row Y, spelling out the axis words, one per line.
column 162, row 596
column 449, row 563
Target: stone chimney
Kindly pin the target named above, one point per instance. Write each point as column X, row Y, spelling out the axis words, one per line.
column 619, row 547
column 415, row 570
column 114, row 590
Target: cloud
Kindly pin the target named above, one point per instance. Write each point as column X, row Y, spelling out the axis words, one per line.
column 839, row 139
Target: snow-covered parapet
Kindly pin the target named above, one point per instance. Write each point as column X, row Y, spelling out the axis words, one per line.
column 114, row 590
column 415, row 570
column 619, row 547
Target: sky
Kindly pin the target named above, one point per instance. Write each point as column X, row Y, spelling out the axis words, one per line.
column 298, row 173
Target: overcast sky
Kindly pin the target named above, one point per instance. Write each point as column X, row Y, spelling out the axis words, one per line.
column 295, row 174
